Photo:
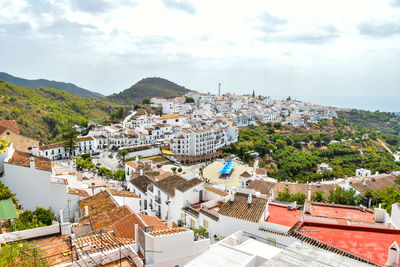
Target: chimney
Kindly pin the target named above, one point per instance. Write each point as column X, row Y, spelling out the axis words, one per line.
column 307, row 208
column 136, row 237
column 249, row 199
column 393, row 255
column 61, row 216
column 364, row 182
column 232, row 195
column 286, row 182
column 86, row 211
column 32, row 162
column 141, row 172
column 272, row 193
column 35, row 150
column 309, row 194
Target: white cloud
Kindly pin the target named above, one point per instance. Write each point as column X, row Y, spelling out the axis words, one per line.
column 277, row 46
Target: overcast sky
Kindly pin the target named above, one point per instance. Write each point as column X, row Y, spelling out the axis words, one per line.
column 313, row 47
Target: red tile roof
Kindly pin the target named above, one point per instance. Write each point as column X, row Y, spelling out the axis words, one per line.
column 126, row 226
column 119, row 193
column 167, row 231
column 10, row 124
column 240, row 209
column 23, row 159
column 366, row 242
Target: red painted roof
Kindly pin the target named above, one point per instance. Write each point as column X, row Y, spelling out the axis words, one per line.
column 281, row 215
column 369, row 243
column 347, row 213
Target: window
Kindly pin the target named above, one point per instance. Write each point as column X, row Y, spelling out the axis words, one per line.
column 271, row 241
column 205, row 224
column 192, row 223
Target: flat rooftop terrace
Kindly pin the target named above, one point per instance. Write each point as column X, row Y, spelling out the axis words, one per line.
column 282, row 215
column 349, row 213
column 366, row 242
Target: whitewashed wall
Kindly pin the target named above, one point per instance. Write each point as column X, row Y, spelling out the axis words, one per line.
column 33, row 188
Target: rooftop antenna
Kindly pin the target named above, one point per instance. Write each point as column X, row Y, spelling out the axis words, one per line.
column 219, row 89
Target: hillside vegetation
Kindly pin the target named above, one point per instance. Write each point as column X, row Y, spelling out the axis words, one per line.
column 44, row 113
column 296, row 157
column 67, row 87
column 148, row 88
column 384, row 122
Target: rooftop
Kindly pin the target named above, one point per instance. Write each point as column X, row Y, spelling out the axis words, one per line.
column 280, row 214
column 10, row 124
column 167, row 231
column 23, row 159
column 119, row 193
column 141, row 182
column 240, row 209
column 342, row 212
column 366, row 242
column 52, row 146
column 169, row 184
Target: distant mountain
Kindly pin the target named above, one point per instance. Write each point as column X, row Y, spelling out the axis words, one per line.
column 43, row 113
column 67, row 87
column 147, row 88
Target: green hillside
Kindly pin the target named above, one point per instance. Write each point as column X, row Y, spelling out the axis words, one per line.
column 44, row 113
column 67, row 87
column 147, row 88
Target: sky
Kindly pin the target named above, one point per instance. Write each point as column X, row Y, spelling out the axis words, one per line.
column 298, row 47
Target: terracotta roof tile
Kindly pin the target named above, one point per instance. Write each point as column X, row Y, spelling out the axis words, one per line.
column 168, row 231
column 120, row 193
column 216, row 191
column 51, row 146
column 141, row 182
column 23, row 159
column 80, row 192
column 126, row 226
column 245, row 174
column 240, row 209
column 10, row 124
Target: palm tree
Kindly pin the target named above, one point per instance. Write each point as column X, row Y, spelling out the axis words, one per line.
column 123, row 154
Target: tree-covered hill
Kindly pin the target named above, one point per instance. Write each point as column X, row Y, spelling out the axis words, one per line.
column 44, row 113
column 384, row 122
column 147, row 88
column 67, row 87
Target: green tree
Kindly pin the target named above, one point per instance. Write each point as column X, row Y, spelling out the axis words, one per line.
column 318, row 196
column 103, row 171
column 173, row 169
column 119, row 174
column 69, row 136
column 201, row 232
column 122, row 154
column 179, row 169
column 5, row 193
column 4, row 145
column 189, row 100
column 46, row 216
column 146, row 101
column 22, row 253
column 342, row 196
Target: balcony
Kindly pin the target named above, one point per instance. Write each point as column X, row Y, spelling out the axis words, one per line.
column 158, row 200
